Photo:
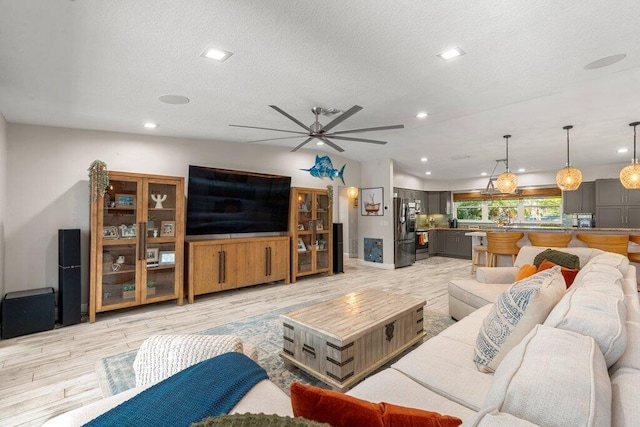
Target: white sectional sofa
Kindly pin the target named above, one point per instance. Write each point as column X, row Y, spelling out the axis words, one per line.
column 580, row 367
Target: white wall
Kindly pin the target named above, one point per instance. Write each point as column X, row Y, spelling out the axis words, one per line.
column 378, row 173
column 48, row 186
column 3, row 197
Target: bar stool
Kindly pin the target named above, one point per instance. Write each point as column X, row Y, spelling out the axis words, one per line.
column 476, row 252
column 615, row 243
column 499, row 243
column 634, row 256
column 550, row 240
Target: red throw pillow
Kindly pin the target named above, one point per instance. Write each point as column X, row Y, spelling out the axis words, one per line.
column 569, row 274
column 340, row 410
column 525, row 271
column 337, row 409
column 401, row 416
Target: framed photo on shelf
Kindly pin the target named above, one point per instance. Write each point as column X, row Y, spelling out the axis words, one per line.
column 300, row 227
column 125, row 200
column 152, row 232
column 152, row 257
column 127, row 231
column 110, row 232
column 167, row 257
column 372, row 202
column 168, row 228
column 301, row 246
column 319, row 226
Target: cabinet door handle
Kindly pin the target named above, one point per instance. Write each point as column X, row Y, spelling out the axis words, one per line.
column 224, row 266
column 142, row 241
column 266, row 261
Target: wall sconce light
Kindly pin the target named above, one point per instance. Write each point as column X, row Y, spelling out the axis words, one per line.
column 352, row 193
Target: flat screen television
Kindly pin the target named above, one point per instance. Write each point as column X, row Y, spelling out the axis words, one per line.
column 222, row 201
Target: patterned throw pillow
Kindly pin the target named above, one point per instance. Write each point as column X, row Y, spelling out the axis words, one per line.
column 515, row 312
column 557, row 257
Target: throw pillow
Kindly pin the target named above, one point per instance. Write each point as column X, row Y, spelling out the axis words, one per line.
column 525, row 271
column 558, row 257
column 339, row 410
column 515, row 312
column 256, row 420
column 569, row 274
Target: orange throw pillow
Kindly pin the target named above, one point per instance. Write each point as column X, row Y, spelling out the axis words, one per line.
column 569, row 274
column 401, row 416
column 340, row 410
column 525, row 271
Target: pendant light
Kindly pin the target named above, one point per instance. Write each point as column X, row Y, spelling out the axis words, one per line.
column 507, row 181
column 568, row 178
column 630, row 174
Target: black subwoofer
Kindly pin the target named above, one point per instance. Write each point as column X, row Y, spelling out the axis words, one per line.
column 338, row 248
column 26, row 312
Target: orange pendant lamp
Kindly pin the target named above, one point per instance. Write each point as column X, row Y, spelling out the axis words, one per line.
column 630, row 174
column 568, row 178
column 507, row 182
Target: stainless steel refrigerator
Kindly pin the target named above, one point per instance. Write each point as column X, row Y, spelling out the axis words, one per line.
column 404, row 237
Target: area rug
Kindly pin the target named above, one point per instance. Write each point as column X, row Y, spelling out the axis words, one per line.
column 263, row 331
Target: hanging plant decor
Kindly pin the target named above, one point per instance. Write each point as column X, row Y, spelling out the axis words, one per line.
column 98, row 178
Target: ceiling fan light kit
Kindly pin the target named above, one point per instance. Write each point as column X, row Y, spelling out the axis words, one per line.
column 507, row 181
column 321, row 132
column 568, row 178
column 630, row 174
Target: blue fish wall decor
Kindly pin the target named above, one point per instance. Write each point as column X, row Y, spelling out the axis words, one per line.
column 324, row 168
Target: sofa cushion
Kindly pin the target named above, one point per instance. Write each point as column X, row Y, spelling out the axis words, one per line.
column 474, row 293
column 339, row 410
column 391, row 385
column 432, row 365
column 603, row 263
column 528, row 253
column 515, row 312
column 554, row 377
column 564, row 259
column 491, row 417
column 595, row 309
column 625, row 410
column 569, row 274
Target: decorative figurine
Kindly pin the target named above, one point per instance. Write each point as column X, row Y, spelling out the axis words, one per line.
column 158, row 199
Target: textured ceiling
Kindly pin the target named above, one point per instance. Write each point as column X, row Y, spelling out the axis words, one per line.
column 98, row 64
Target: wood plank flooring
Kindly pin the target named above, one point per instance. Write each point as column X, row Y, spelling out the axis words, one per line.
column 48, row 373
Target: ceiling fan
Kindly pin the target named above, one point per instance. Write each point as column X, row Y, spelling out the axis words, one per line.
column 320, row 132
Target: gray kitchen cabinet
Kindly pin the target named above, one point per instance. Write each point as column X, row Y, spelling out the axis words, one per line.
column 441, row 242
column 433, row 238
column 445, row 202
column 582, row 200
column 434, row 202
column 618, row 216
column 451, row 243
column 610, row 192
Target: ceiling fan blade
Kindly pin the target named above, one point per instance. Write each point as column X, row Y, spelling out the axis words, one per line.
column 332, row 145
column 273, row 139
column 301, row 145
column 279, row 130
column 372, row 141
column 290, row 117
column 366, row 129
column 341, row 118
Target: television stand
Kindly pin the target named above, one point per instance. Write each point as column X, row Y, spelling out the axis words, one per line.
column 220, row 265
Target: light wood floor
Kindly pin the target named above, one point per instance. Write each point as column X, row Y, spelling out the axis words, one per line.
column 48, row 373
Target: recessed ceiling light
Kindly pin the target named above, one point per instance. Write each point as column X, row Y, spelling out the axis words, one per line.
column 422, row 115
column 451, row 53
column 150, row 125
column 319, row 143
column 216, row 54
column 521, row 170
column 483, row 174
column 173, row 99
column 623, row 150
column 427, row 173
column 424, row 159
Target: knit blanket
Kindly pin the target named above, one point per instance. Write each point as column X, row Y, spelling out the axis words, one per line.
column 211, row 387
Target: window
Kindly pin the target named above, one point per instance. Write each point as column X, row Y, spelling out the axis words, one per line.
column 471, row 210
column 503, row 211
column 545, row 209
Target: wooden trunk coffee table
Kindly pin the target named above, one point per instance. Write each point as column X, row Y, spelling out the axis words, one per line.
column 342, row 340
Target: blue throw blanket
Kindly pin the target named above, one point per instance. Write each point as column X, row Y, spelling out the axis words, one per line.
column 209, row 388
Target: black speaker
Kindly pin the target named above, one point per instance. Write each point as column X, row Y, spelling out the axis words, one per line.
column 26, row 312
column 338, row 248
column 69, row 277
